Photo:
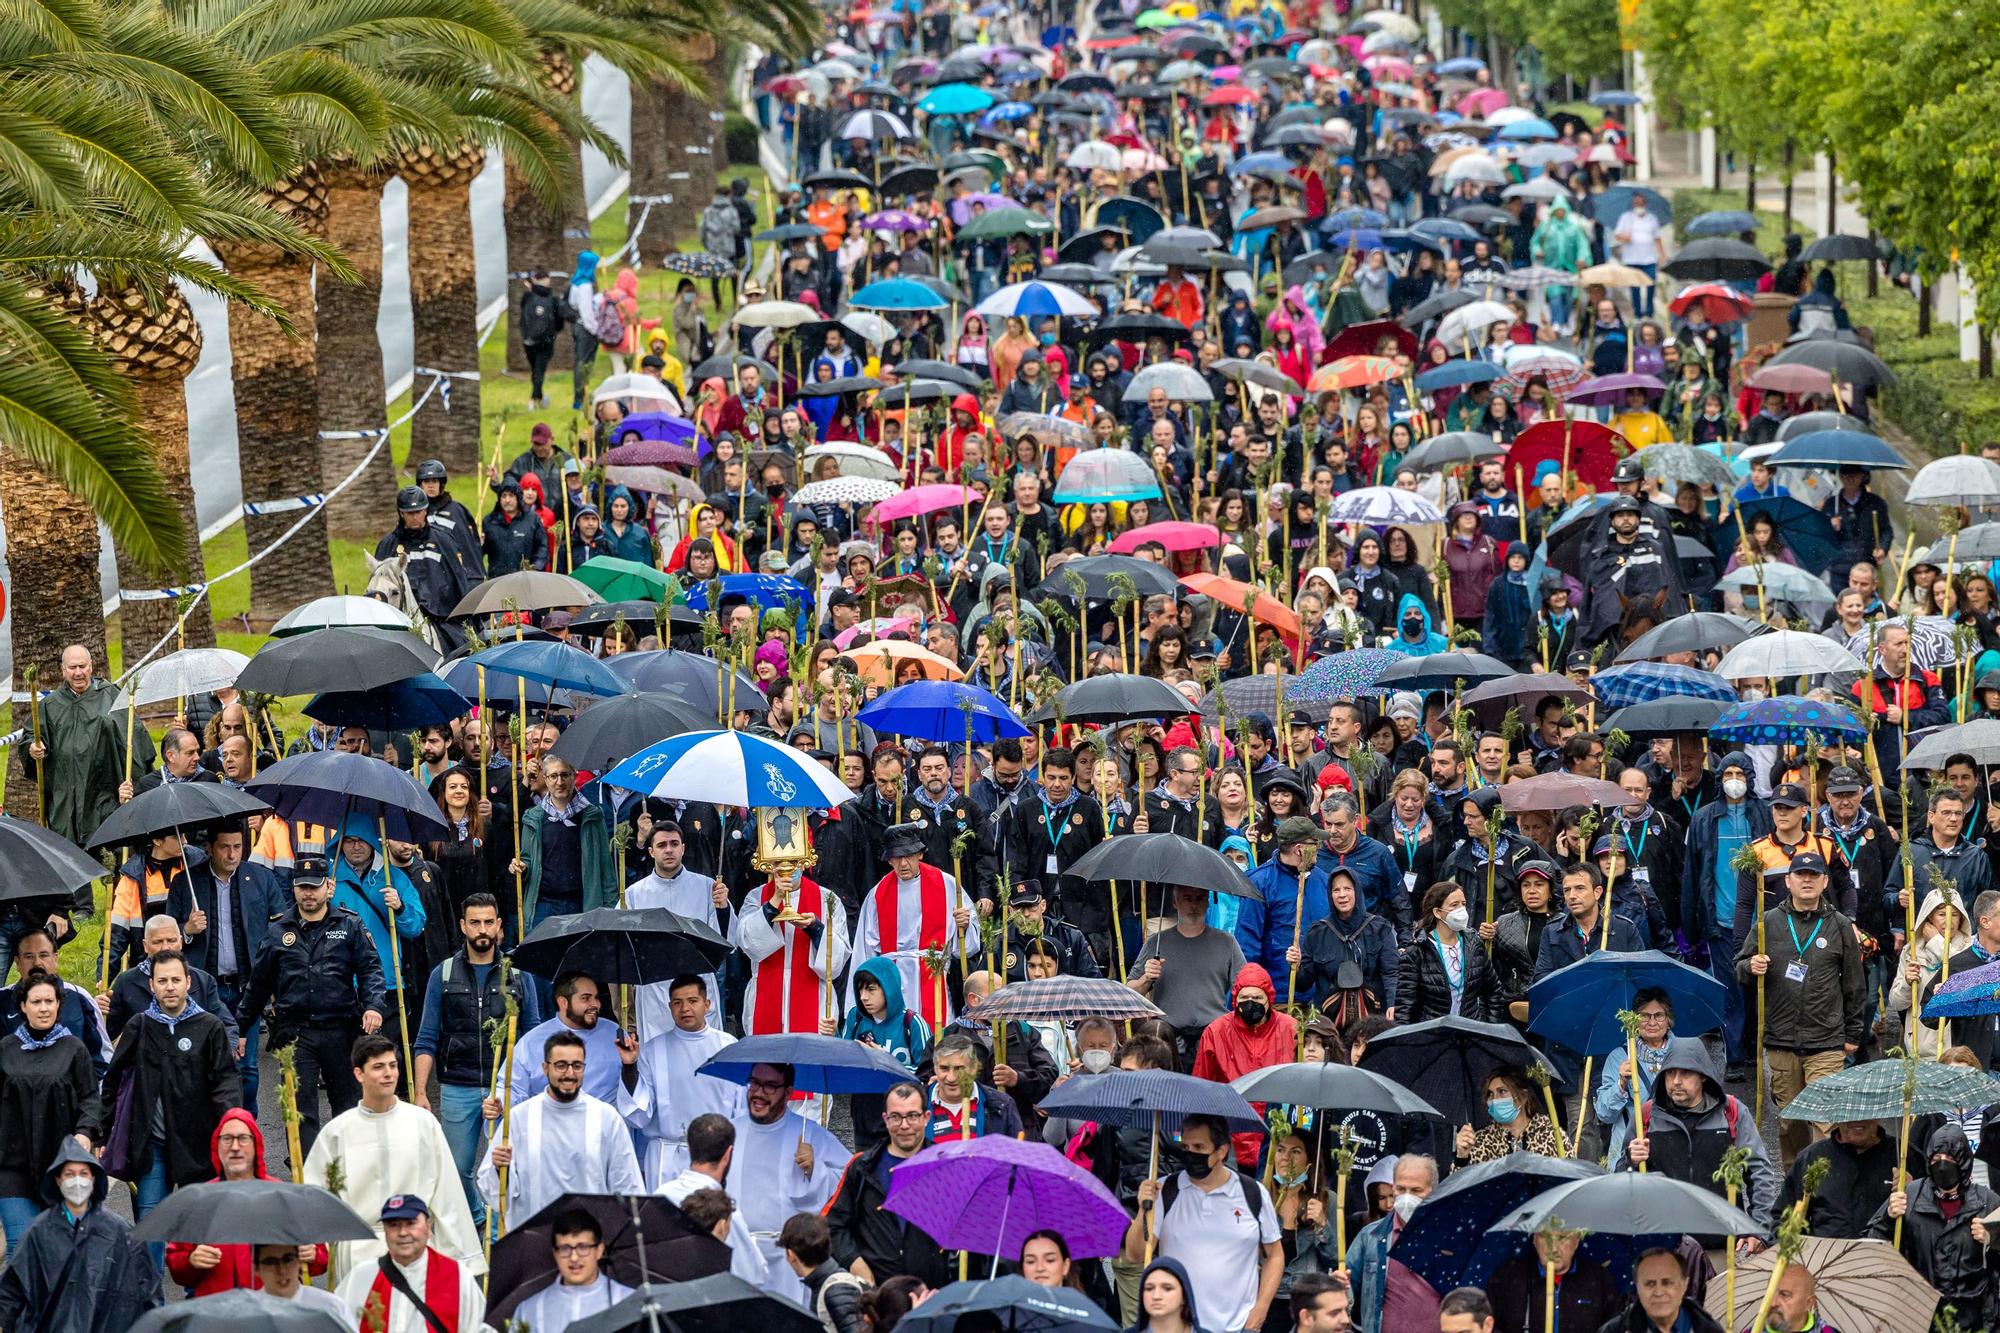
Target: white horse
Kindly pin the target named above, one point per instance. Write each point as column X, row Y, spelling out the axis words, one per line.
column 389, row 581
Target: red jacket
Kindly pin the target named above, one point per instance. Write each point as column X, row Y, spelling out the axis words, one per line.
column 236, row 1268
column 1231, row 1048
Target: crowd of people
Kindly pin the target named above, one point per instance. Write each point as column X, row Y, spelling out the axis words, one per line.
column 1274, row 362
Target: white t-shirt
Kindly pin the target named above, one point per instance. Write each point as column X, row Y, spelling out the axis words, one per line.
column 1213, row 1236
column 1642, row 237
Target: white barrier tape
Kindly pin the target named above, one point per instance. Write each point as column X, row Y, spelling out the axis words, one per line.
column 161, row 594
column 443, row 378
column 266, row 508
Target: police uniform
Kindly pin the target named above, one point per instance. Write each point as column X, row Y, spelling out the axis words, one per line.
column 1072, row 949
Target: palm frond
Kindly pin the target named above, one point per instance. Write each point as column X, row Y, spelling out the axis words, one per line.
column 636, row 49
column 203, row 85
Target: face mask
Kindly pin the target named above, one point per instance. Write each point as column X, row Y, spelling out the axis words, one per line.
column 1413, row 627
column 1752, row 693
column 1096, row 1061
column 1735, row 788
column 1404, row 1205
column 1458, row 919
column 1291, row 1180
column 1946, row 1174
column 1194, row 1163
column 1252, row 1012
column 1503, row 1110
column 1048, row 340
column 76, row 1190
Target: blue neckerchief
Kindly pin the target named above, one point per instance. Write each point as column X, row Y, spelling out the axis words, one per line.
column 30, row 1042
column 159, row 1015
column 939, row 806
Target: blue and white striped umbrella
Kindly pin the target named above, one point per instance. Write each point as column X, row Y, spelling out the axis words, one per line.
column 729, row 768
column 1035, row 299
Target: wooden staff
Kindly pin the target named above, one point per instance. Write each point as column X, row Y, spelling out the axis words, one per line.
column 1152, row 1174
column 496, row 1217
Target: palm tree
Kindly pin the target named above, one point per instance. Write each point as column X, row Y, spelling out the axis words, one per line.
column 542, row 236
column 350, row 401
column 444, row 300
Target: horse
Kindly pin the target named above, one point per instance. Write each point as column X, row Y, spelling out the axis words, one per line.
column 389, row 581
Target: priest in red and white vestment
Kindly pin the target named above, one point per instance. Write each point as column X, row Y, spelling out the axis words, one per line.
column 916, row 908
column 789, row 962
column 381, row 1297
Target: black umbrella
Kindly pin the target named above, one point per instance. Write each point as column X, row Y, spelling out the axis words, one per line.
column 1436, row 307
column 344, row 657
column 1717, row 259
column 1074, row 275
column 1084, row 81
column 1807, row 422
column 699, row 680
column 1837, row 249
column 1097, row 571
column 1079, row 248
column 1164, row 858
column 645, row 1239
column 325, row 788
column 1450, row 449
column 725, row 367
column 1136, row 328
column 1630, row 1203
column 1145, row 1098
column 833, row 388
column 35, row 863
column 1849, row 363
column 920, row 391
column 622, row 946
column 1446, row 1061
column 790, row 231
column 1113, row 697
column 1695, row 632
column 1481, row 215
column 1258, row 373
column 837, row 179
column 618, row 728
column 921, row 368
column 252, row 1212
column 239, row 1311
column 1491, row 700
column 1011, row 1304
column 173, row 806
column 1441, row 671
column 1669, row 715
column 642, row 617
column 1330, row 1087
column 908, row 180
column 724, row 1303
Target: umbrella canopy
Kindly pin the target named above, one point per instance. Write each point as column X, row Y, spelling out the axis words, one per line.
column 178, row 675
column 1447, row 1241
column 1253, row 602
column 1856, row 1283
column 1671, row 715
column 819, row 1064
column 1962, row 479
column 1467, row 320
column 1441, row 671
column 1341, row 674
column 1850, row 363
column 1838, row 448
column 724, row 1303
column 1457, row 447
column 616, row 728
column 1785, row 654
column 1436, row 307
column 1108, row 475
column 1491, row 699
column 1093, row 575
column 855, row 460
column 420, row 701
column 252, row 1212
column 1641, row 682
column 344, row 612
column 1143, row 1098
column 524, row 590
column 1064, row 999
column 326, row 787
column 1805, row 530
column 1245, row 695
column 1874, row 1091
column 1979, row 738
column 1035, row 299
column 1166, row 859
column 769, row 590
column 1632, row 1203
column 1329, row 1087
column 35, row 863
column 336, row 658
column 1721, row 222
column 622, row 946
column 1610, row 390
column 1113, row 697
column 1383, row 506
column 728, row 768
column 1014, row 1304
column 673, row 1251
column 1577, row 1006
column 1973, row 993
column 882, row 662
column 239, row 1310
column 1787, row 720
column 1177, row 537
column 174, row 806
column 1446, row 1061
column 552, row 663
column 1183, row 384
column 1558, row 791
column 988, row 1195
column 1696, row 632
column 942, row 710
column 1717, row 259
column 1779, row 583
column 844, row 491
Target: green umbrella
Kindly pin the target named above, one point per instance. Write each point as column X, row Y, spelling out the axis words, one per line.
column 622, row 580
column 1874, row 1091
column 1006, row 222
column 1155, row 18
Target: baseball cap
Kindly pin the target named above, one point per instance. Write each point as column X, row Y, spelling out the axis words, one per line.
column 1809, row 862
column 1295, row 829
column 1789, row 794
column 1300, row 718
column 403, row 1207
column 1844, row 781
column 1026, row 893
column 1541, row 869
column 1605, row 843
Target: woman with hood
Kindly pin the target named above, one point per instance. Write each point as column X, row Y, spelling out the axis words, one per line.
column 209, row 1269
column 512, row 538
column 1377, row 590
column 881, row 1019
column 78, row 1269
column 822, row 409
column 1294, row 313
column 623, row 535
column 624, row 294
column 1348, row 961
column 537, row 504
column 1942, row 930
column 1239, row 323
column 707, row 523
column 46, row 1081
column 1287, row 353
column 1472, row 560
column 1510, row 609
column 708, row 406
column 583, row 301
column 1253, row 1034
column 1166, row 1299
column 949, row 451
column 971, row 352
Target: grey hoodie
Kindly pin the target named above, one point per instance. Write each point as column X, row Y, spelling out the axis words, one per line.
column 1683, row 1142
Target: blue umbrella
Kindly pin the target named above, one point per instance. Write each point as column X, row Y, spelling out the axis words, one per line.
column 1008, row 111
column 1529, row 127
column 1721, row 222
column 1973, row 993
column 1610, row 205
column 1445, row 229
column 1786, row 720
column 420, row 701
column 819, row 1064
column 955, row 99
column 1615, row 97
column 1341, row 675
column 552, row 663
column 1461, row 65
column 1056, row 36
column 1453, row 374
column 1261, row 164
column 1576, row 1007
column 1808, row 532
column 327, row 786
column 934, row 710
column 1148, row 1098
column 1643, row 682
column 1836, row 448
column 503, row 690
column 766, row 590
column 1402, row 242
column 1341, row 219
column 897, row 294
column 1355, row 238
column 1447, row 1243
column 655, row 426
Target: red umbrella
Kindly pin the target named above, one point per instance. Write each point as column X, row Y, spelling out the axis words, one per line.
column 1254, row 602
column 1234, row 94
column 1718, row 304
column 1365, row 339
column 1175, row 537
column 1586, row 449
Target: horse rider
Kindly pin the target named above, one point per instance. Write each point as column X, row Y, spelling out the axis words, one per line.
column 436, row 575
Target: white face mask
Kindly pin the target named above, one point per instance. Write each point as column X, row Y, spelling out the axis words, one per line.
column 1404, row 1205
column 1735, row 788
column 1752, row 693
column 1458, row 919
column 1096, row 1061
column 76, row 1190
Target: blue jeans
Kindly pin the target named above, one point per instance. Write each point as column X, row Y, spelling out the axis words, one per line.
column 1562, row 304
column 246, row 1068
column 15, row 1216
column 1722, row 966
column 1642, row 299
column 152, row 1189
column 458, row 1112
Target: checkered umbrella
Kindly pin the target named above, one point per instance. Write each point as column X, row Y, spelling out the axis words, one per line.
column 1642, row 682
column 1874, row 1091
column 1064, row 999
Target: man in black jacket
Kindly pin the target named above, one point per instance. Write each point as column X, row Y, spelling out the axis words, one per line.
column 834, row 1294
column 542, row 318
column 1954, row 1252
column 1861, row 1174
column 1045, row 832
column 867, row 1240
column 131, row 991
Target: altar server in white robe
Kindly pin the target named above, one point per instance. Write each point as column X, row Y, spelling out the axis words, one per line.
column 790, row 961
column 579, row 1002
column 782, row 1164
column 915, row 909
column 660, row 1092
column 385, row 1147
column 582, row 1289
column 711, row 1143
column 378, row 1301
column 686, row 893
column 562, row 1141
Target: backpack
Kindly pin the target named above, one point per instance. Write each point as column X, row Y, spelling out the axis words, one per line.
column 838, row 1278
column 1253, row 1196
column 609, row 327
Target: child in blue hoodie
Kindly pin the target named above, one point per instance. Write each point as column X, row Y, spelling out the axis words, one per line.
column 880, row 1019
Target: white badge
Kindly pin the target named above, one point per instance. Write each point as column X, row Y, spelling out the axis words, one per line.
column 1409, row 881
column 1641, row 875
column 1795, row 971
column 1051, row 867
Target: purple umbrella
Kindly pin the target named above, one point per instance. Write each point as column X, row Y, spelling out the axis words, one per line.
column 988, row 1195
column 1610, row 390
column 961, row 207
column 650, row 452
column 895, row 219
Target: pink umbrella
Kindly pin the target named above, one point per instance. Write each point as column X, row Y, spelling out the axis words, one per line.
column 1390, row 67
column 877, row 628
column 919, row 500
column 1352, row 41
column 1175, row 537
column 1225, row 73
column 1481, row 102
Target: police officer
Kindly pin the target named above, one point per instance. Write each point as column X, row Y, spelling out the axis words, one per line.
column 1633, row 579
column 437, row 573
column 323, row 982
column 450, row 519
column 1028, row 918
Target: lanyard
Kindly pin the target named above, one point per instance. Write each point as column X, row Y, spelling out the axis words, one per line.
column 1410, row 840
column 1847, row 853
column 1638, row 848
column 1055, row 833
column 1793, row 926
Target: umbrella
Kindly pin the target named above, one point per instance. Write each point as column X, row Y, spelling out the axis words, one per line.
column 1033, row 299
column 178, row 675
column 1341, row 675
column 1717, row 259
column 1044, row 426
column 240, row 1310
column 617, row 581
column 1094, row 155
column 1112, row 697
column 882, row 661
column 1836, row 249
column 173, row 806
column 1790, row 379
column 784, row 234
column 855, row 460
column 252, row 1212
column 897, row 294
column 1165, row 859
column 1251, row 601
column 1631, row 1203
column 420, row 701
column 672, row 1250
column 1696, row 632
column 1138, row 327
column 723, row 1303
column 845, row 491
column 1856, row 1284
column 1452, row 375
column 1177, row 537
column 1491, row 699
column 1587, row 449
column 1096, row 573
column 636, row 386
column 1874, row 1091
column 699, row 264
column 1453, row 448
column 1255, row 694
column 613, row 729
column 699, row 680
column 1811, row 421
column 954, row 99
column 876, row 125
column 328, row 786
column 1467, row 320
column 819, row 1064
column 1002, row 222
column 1329, row 1087
column 1383, row 506
column 339, row 612
column 728, row 768
column 622, row 946
column 1010, row 1304
column 1808, row 532
column 1608, row 206
column 1558, row 791
column 775, row 315
column 1441, row 671
column 1671, row 715
column 1437, row 307
column 1576, row 1007
column 1449, row 1241
column 524, row 590
column 40, row 864
column 1679, row 463
column 988, row 1195
column 1182, row 383
column 1972, row 993
column 1109, row 475
column 1064, row 999
column 1780, row 583
column 1355, row 372
column 1718, row 304
column 1976, row 544
column 920, row 500
column 1613, row 275
column 1641, row 682
column 1446, row 1061
column 1610, row 390
column 1148, row 1098
column 1784, row 654
column 338, row 658
column 553, row 663
column 1979, row 738
column 1787, row 720
column 770, row 590
column 1961, row 479
column 1837, row 448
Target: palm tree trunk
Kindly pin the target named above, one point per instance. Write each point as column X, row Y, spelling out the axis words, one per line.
column 276, row 380
column 546, row 240
column 162, row 408
column 444, row 307
column 351, row 394
column 54, row 594
column 659, row 117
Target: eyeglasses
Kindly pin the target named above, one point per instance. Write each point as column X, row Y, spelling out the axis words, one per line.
column 578, row 1251
column 1652, row 1016
column 902, row 1117
column 566, row 1066
column 233, row 1140
column 765, row 1085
